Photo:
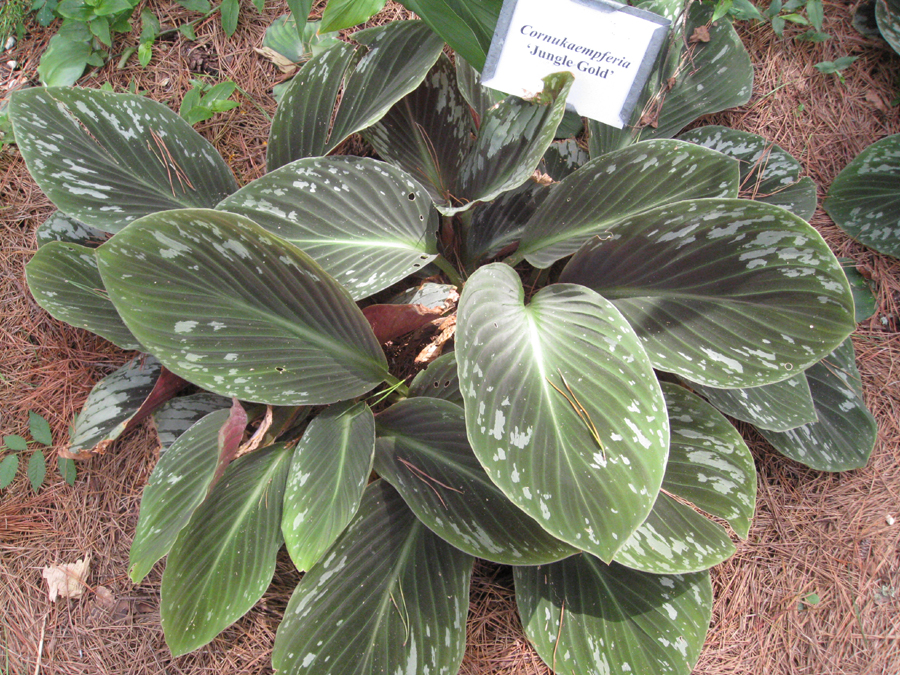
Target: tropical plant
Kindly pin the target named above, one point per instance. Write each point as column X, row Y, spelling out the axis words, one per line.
column 555, row 437
column 864, row 200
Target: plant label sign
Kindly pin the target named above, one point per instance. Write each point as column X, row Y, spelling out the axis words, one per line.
column 610, row 48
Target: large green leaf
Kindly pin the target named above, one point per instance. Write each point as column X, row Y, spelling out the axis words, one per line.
column 887, row 16
column 328, row 474
column 112, row 404
column 844, row 435
column 365, row 222
column 389, row 597
column 499, row 224
column 779, row 406
column 864, row 200
column 391, row 63
column 177, row 486
column 60, row 227
column 438, row 380
column 588, row 476
column 768, row 173
column 224, row 558
column 468, row 27
column 692, row 78
column 107, row 158
column 724, row 292
column 422, row 450
column 296, row 43
column 341, row 14
column 512, row 140
column 429, row 132
column 64, row 280
column 479, row 98
column 179, row 414
column 586, row 617
column 67, row 55
column 619, row 185
column 239, row 311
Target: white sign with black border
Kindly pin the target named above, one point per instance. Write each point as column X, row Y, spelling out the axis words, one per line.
column 610, row 48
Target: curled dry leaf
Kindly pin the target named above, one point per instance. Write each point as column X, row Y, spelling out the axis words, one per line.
column 67, row 581
column 700, row 34
column 391, row 321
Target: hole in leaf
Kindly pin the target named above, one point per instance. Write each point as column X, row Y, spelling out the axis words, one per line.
column 411, row 196
column 279, row 369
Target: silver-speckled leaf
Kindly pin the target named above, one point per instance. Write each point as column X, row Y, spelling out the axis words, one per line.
column 844, row 436
column 107, row 159
column 864, row 302
column 583, row 616
column 479, row 98
column 239, row 311
column 365, row 222
column 429, row 132
column 512, row 139
column 60, row 227
column 864, row 200
column 779, row 406
column 693, row 78
column 724, row 292
column 768, row 173
column 224, row 558
column 112, row 403
column 65, row 281
column 438, row 380
column 563, row 158
column 391, row 63
column 887, row 16
column 422, row 450
column 388, row 597
column 177, row 486
column 562, row 407
column 499, row 223
column 328, row 474
column 619, row 185
column 179, row 414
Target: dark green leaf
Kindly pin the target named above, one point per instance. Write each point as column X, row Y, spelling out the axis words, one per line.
column 107, row 158
column 563, row 158
column 179, row 414
column 863, row 295
column 768, row 173
column 586, row 617
column 37, row 470
column 39, row 429
column 65, row 281
column 479, row 98
column 8, row 467
column 341, row 14
column 177, row 486
column 392, row 61
column 300, row 9
column 112, row 403
column 328, row 473
column 864, row 200
column 423, row 452
column 628, row 182
column 15, row 443
column 779, row 406
column 438, row 380
column 844, row 436
column 725, row 292
column 67, row 469
column 230, row 11
column 590, row 477
column 202, row 6
column 388, row 597
column 66, row 56
column 887, row 17
column 60, row 227
column 238, row 311
column 365, row 222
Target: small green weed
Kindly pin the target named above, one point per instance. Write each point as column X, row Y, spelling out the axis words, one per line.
column 835, row 67
column 15, row 444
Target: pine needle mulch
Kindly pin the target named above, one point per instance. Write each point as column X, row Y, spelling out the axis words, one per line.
column 833, row 536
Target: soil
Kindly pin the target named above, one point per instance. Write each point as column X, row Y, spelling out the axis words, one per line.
column 832, row 535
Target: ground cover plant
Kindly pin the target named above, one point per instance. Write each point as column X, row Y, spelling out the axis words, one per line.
column 581, row 398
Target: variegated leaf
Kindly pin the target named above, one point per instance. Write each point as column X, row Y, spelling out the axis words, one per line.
column 365, row 222
column 562, row 407
column 727, row 293
column 107, row 158
column 388, row 597
column 60, row 227
column 329, row 471
column 422, row 450
column 179, row 414
column 583, row 616
column 438, row 380
column 239, row 311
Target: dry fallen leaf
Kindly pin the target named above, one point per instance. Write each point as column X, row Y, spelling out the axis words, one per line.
column 700, row 34
column 105, row 598
column 285, row 65
column 67, row 581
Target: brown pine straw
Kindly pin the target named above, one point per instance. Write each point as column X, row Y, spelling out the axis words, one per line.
column 814, row 532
